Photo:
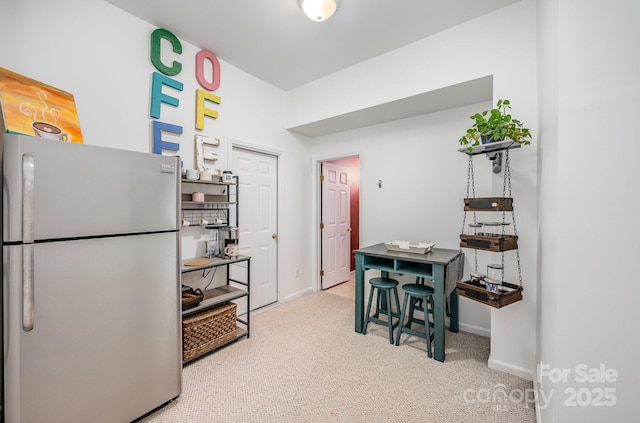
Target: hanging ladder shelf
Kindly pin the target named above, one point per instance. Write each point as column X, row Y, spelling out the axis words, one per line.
column 492, row 147
column 494, row 236
column 476, row 290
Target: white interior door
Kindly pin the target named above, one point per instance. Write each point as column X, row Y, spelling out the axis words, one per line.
column 258, row 219
column 336, row 237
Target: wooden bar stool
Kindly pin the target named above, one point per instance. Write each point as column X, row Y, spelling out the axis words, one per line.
column 386, row 285
column 419, row 297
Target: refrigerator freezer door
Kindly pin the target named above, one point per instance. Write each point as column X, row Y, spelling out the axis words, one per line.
column 82, row 190
column 106, row 341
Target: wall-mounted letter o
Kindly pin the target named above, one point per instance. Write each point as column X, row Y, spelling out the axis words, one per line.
column 215, row 65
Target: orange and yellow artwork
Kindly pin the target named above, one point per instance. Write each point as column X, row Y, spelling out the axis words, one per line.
column 30, row 107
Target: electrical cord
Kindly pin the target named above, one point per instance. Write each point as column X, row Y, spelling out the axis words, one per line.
column 205, row 274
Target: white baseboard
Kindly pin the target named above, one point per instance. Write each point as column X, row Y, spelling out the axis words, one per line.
column 476, row 330
column 298, row 294
column 521, row 372
column 279, row 302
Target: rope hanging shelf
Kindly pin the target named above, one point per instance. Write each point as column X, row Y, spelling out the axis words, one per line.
column 495, row 236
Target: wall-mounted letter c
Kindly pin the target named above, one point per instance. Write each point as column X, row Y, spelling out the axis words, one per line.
column 156, row 37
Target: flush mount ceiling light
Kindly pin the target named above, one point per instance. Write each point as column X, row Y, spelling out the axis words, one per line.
column 318, row 10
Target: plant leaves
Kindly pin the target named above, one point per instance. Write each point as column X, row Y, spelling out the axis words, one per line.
column 499, row 124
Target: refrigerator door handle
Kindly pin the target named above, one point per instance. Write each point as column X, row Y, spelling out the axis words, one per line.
column 28, row 168
column 27, row 288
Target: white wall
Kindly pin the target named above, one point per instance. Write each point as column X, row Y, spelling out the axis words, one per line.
column 548, row 194
column 444, row 59
column 589, row 286
column 101, row 55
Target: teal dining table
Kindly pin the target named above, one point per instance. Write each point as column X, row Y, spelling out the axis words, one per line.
column 439, row 265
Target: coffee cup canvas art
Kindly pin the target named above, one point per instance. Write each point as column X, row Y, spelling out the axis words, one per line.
column 29, row 107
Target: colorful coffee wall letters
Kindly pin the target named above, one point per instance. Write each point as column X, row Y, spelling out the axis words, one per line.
column 167, row 91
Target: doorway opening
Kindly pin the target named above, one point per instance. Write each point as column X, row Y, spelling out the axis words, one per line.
column 339, row 219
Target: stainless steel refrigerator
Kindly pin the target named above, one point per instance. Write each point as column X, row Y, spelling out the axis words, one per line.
column 91, row 281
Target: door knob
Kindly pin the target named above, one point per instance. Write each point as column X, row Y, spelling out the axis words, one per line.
column 274, row 236
column 349, row 229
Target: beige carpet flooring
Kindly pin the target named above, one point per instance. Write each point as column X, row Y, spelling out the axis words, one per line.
column 305, row 363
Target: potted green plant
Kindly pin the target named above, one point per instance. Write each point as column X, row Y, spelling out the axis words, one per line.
column 495, row 125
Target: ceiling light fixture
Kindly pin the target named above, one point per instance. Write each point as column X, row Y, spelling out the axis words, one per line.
column 318, row 10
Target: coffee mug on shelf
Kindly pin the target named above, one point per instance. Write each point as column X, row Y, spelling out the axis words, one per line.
column 227, row 176
column 192, row 174
column 197, row 197
column 232, row 250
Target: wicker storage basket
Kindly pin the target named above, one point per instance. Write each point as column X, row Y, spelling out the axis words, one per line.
column 205, row 331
